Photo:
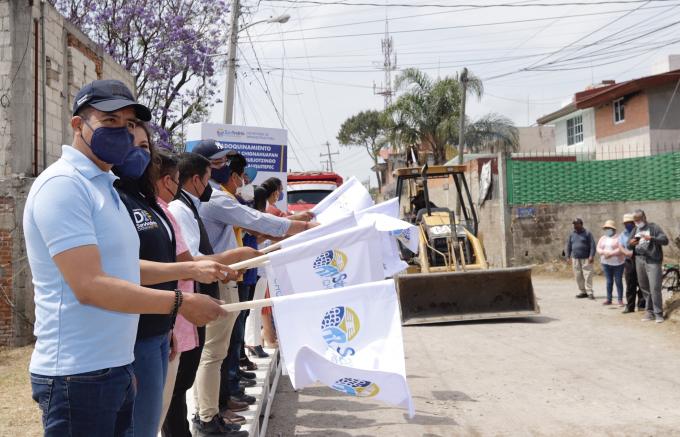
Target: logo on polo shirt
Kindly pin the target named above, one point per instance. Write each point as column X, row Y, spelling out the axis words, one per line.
column 143, row 220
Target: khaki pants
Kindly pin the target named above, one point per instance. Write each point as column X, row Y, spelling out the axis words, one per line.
column 217, row 336
column 583, row 272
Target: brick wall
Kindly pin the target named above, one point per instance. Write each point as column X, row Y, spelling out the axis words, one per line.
column 636, row 110
column 71, row 61
column 16, row 299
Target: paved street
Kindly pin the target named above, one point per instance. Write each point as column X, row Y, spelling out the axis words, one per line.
column 579, row 369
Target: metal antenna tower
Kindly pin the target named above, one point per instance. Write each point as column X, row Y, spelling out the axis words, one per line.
column 389, row 65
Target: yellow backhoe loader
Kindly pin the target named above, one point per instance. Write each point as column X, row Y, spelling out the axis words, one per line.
column 450, row 279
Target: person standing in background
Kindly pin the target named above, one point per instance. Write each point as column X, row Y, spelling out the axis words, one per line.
column 580, row 249
column 632, row 289
column 611, row 259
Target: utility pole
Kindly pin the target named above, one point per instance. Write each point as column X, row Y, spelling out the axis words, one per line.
column 231, row 64
column 461, row 126
column 329, row 155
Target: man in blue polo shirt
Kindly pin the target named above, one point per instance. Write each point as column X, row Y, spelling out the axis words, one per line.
column 83, row 251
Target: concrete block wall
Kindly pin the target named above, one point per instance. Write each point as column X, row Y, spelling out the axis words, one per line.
column 5, row 79
column 538, row 232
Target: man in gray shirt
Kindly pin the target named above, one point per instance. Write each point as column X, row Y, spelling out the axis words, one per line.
column 647, row 242
column 580, row 249
column 224, row 218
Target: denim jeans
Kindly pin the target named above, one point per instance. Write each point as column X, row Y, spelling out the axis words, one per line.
column 151, row 368
column 94, row 403
column 614, row 274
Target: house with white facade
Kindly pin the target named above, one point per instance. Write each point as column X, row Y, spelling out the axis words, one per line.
column 639, row 117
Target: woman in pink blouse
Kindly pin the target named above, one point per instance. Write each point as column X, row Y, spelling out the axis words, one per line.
column 612, row 260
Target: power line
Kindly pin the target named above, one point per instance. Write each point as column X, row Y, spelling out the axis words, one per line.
column 267, row 92
column 462, row 5
column 589, row 34
column 316, row 94
column 539, row 67
column 458, row 26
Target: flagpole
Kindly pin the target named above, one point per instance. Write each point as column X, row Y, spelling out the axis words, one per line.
column 249, row 305
column 271, row 248
column 251, row 263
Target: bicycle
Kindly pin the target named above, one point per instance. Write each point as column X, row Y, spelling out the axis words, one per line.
column 671, row 278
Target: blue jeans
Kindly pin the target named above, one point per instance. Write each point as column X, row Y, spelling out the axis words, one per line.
column 614, row 274
column 151, row 368
column 94, row 403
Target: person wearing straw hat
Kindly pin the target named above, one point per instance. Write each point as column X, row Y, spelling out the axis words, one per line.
column 580, row 249
column 629, row 273
column 612, row 260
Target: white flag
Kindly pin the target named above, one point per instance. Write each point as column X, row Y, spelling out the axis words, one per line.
column 401, row 230
column 347, row 198
column 392, row 263
column 349, row 339
column 388, row 207
column 341, row 224
column 349, row 257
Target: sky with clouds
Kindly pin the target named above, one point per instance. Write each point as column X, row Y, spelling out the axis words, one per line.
column 319, row 68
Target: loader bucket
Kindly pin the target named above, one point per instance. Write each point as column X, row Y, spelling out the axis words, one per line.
column 471, row 295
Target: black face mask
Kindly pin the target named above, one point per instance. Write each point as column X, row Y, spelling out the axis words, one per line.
column 207, row 192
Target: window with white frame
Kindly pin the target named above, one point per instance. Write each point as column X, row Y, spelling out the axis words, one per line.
column 619, row 111
column 575, row 130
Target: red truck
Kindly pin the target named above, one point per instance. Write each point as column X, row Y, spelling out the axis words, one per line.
column 306, row 189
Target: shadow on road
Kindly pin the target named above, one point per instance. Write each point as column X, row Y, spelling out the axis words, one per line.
column 350, row 405
column 330, row 421
column 511, row 321
column 450, row 395
column 430, row 420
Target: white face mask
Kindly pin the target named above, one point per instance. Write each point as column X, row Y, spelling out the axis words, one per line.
column 247, row 192
column 609, row 232
column 640, row 224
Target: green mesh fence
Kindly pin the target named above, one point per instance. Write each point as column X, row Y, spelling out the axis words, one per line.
column 647, row 178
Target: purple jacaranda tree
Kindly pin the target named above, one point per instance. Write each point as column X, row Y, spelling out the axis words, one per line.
column 165, row 45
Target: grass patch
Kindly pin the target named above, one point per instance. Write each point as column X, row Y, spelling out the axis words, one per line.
column 19, row 415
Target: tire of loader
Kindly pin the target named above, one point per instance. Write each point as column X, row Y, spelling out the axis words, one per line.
column 472, row 295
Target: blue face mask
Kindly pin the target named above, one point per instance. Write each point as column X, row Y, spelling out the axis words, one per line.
column 110, row 144
column 630, row 226
column 134, row 164
column 220, row 175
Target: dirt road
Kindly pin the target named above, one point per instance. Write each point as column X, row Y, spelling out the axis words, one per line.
column 582, row 369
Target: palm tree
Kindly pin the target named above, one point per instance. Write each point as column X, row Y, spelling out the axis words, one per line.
column 493, row 133
column 428, row 111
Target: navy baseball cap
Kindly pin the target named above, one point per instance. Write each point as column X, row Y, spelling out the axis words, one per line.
column 109, row 96
column 210, row 149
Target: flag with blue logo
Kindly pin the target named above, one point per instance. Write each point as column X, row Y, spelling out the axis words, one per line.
column 344, row 258
column 402, row 231
column 349, row 339
column 347, row 198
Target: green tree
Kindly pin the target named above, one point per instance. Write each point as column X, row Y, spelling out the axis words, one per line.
column 367, row 129
column 427, row 112
column 493, row 133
